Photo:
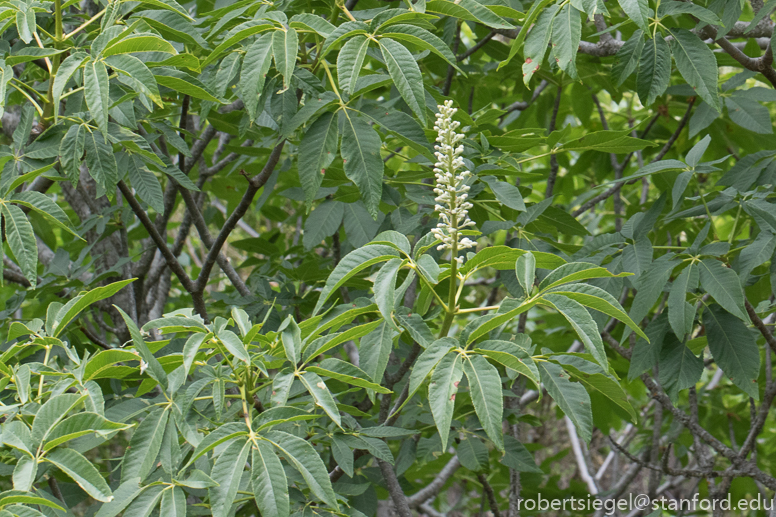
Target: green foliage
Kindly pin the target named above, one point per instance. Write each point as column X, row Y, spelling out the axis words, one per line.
column 228, row 290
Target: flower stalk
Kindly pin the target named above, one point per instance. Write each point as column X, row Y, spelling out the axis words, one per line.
column 453, row 208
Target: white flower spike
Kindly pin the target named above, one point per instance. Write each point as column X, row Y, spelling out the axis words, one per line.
column 451, row 188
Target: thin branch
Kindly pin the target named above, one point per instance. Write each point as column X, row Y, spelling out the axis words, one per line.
column 476, row 47
column 433, row 488
column 254, row 184
column 489, row 494
column 553, row 158
column 616, row 188
column 397, row 494
column 576, row 446
column 160, row 242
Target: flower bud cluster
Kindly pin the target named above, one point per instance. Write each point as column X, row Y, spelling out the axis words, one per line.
column 451, row 188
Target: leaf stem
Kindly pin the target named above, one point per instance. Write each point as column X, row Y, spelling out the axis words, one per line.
column 84, row 25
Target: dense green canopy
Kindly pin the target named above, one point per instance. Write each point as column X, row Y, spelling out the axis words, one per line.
column 384, row 258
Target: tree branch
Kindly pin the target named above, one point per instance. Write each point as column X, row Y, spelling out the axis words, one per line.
column 616, row 188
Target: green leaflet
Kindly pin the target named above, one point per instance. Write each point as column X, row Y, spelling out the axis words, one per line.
column 638, row 11
column 349, row 62
column 147, row 186
column 284, row 49
column 537, row 41
column 406, row 75
column 323, row 222
column 73, row 308
column 734, row 349
column 473, row 454
column 422, row 38
column 598, row 299
column 385, row 288
column 253, row 73
column 65, row 71
column 227, row 472
column 749, row 114
column 697, row 64
column 628, row 57
column 139, row 43
column 593, row 377
column 24, row 473
column 512, row 356
column 173, row 502
column 375, row 349
column 96, row 93
column 678, row 314
column 468, row 10
column 582, row 323
column 566, row 33
column 100, row 160
column 51, row 413
column 321, row 395
column 71, row 149
column 679, row 367
column 571, row 397
column 347, row 373
column 184, row 83
column 308, row 462
column 141, row 76
column 441, row 392
column 268, row 479
column 362, row 162
column 485, row 388
column 654, row 70
column 79, row 425
column 723, row 285
column 525, row 270
column 350, row 265
column 21, row 240
column 144, row 446
column 574, row 272
column 291, row 338
column 81, row 470
column 608, row 141
column 316, row 152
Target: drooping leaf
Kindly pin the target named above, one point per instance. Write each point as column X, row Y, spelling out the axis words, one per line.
column 654, row 70
column 442, row 390
column 361, row 156
column 485, row 389
column 571, row 397
column 406, row 75
column 734, row 349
